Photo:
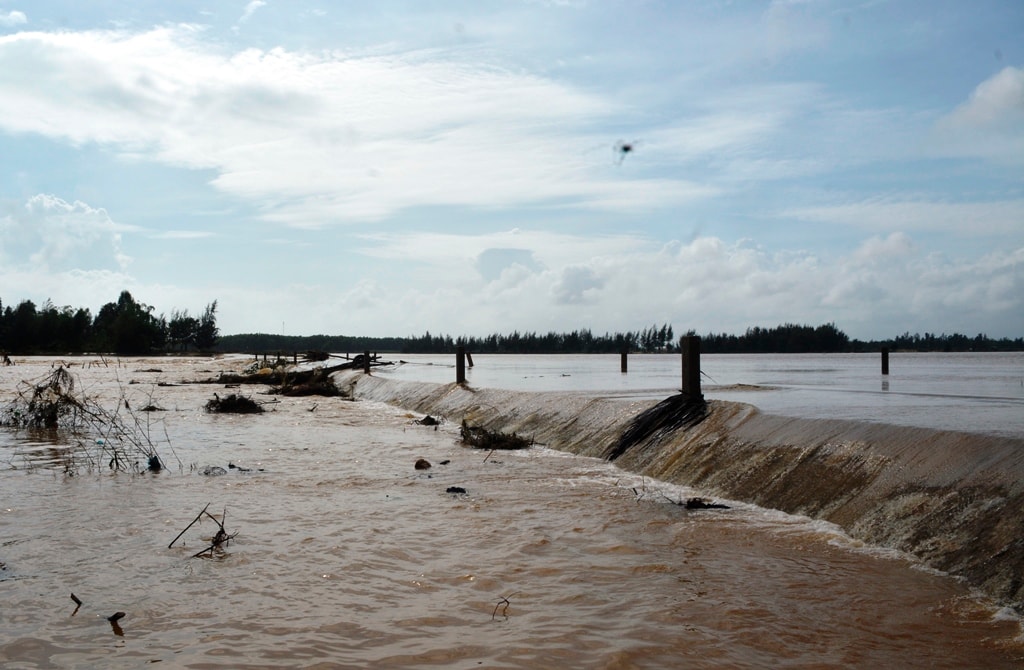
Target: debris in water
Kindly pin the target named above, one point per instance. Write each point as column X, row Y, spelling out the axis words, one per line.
column 218, row 541
column 455, row 490
column 669, row 415
column 233, row 404
column 700, row 503
column 422, row 464
column 116, row 616
column 428, row 421
column 504, row 600
column 481, row 438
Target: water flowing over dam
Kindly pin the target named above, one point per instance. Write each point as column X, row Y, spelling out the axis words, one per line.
column 953, row 499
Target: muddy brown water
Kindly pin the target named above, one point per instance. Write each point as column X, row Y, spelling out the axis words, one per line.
column 347, row 556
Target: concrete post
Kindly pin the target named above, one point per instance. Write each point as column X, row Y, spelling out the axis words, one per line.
column 691, row 367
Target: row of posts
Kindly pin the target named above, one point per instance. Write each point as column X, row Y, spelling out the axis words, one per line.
column 691, row 365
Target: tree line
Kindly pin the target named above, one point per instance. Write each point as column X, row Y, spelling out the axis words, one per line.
column 785, row 338
column 131, row 327
column 124, row 327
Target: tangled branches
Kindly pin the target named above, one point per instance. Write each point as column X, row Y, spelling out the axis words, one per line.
column 481, row 438
column 96, row 433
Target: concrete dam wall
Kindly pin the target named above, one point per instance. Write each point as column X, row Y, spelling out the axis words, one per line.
column 954, row 500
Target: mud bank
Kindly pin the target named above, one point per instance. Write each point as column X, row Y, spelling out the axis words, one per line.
column 955, row 500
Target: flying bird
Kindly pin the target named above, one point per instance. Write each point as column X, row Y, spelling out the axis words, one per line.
column 622, row 148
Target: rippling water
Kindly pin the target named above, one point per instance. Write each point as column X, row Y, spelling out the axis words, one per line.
column 347, row 556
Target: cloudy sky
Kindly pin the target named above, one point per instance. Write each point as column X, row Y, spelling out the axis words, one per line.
column 477, row 166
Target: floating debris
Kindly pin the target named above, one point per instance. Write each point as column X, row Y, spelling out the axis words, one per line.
column 481, row 438
column 233, row 404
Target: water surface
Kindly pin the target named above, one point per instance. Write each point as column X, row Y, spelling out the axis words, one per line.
column 347, row 556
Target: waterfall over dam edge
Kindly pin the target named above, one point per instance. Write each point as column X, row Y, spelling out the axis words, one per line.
column 954, row 500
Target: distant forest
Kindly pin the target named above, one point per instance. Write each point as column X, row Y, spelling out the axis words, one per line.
column 130, row 327
column 787, row 338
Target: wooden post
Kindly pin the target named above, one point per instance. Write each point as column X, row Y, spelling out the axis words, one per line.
column 460, row 364
column 469, row 359
column 623, row 362
column 366, row 362
column 885, row 360
column 691, row 367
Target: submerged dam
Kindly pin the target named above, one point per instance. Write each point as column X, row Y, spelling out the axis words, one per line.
column 954, row 500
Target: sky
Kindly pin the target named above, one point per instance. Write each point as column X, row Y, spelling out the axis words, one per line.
column 481, row 166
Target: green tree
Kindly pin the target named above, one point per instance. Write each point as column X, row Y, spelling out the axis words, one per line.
column 182, row 330
column 128, row 327
column 207, row 331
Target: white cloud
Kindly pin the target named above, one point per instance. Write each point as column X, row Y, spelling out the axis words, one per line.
column 884, row 249
column 250, row 9
column 989, row 124
column 324, row 138
column 51, row 234
column 967, row 219
column 183, row 235
column 13, row 18
column 996, row 101
column 885, row 286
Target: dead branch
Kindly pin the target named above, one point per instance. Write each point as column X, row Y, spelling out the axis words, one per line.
column 504, row 600
column 220, row 539
column 198, row 517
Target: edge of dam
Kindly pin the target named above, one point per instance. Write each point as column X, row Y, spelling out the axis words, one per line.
column 954, row 500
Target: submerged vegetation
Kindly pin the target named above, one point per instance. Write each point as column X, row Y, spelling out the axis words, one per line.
column 96, row 436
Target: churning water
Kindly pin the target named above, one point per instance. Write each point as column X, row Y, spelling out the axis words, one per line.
column 348, row 556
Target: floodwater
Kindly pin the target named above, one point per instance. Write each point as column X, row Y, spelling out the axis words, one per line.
column 347, row 556
column 972, row 392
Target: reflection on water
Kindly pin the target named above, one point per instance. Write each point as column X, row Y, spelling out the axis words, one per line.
column 347, row 555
